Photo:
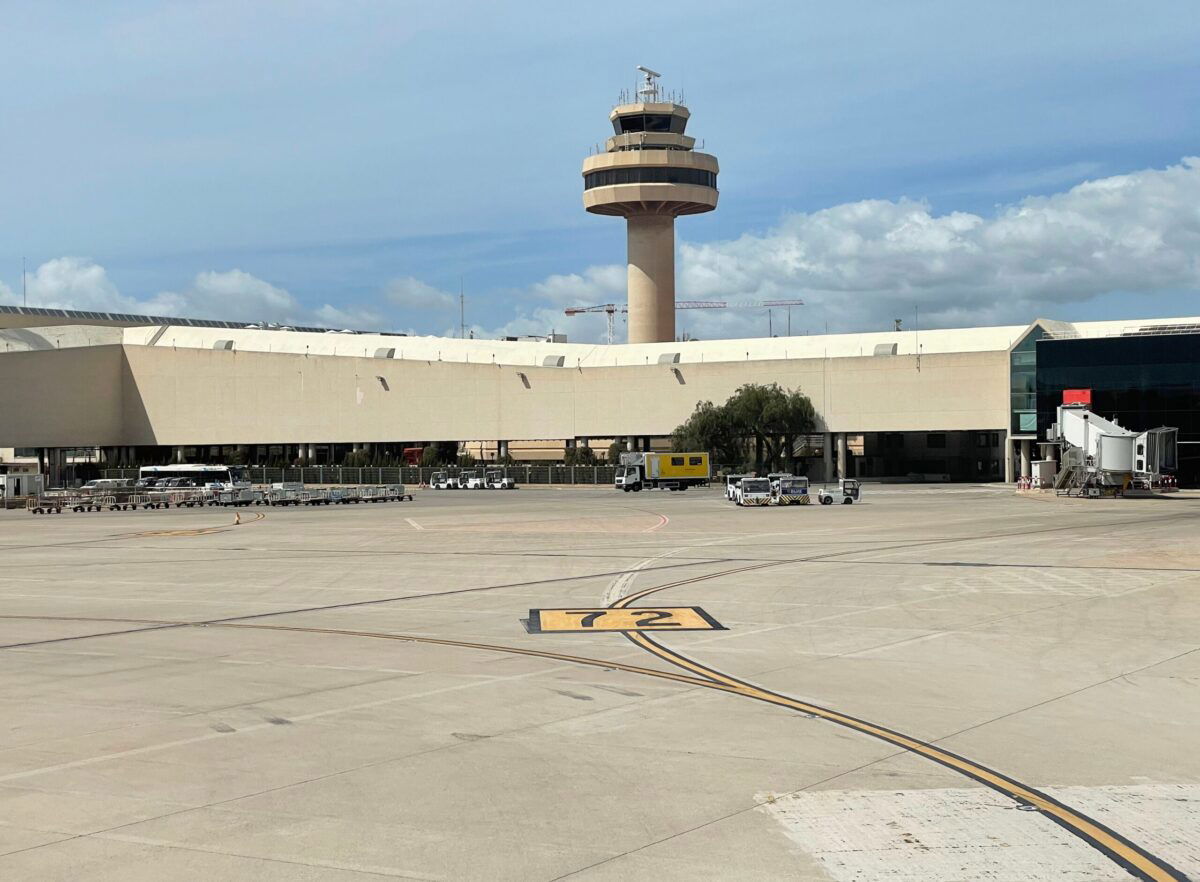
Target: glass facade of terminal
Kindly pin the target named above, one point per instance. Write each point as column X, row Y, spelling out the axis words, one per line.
column 1142, row 382
column 1023, row 384
column 646, row 175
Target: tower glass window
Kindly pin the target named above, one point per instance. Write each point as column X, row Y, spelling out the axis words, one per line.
column 649, row 122
column 657, row 175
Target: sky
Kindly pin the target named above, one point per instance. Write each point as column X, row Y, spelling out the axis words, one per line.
column 357, row 164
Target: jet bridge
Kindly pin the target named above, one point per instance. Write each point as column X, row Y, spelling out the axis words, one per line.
column 1097, row 453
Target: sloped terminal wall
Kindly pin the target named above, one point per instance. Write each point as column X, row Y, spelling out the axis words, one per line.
column 69, row 397
column 198, row 396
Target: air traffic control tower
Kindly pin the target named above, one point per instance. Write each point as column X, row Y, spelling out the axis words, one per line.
column 649, row 174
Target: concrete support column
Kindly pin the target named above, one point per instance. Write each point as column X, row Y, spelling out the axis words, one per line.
column 629, row 443
column 502, row 449
column 177, row 455
column 651, row 241
column 310, row 453
column 54, row 466
column 570, row 444
column 1026, row 468
column 646, row 440
column 842, row 453
column 1009, row 475
column 827, row 456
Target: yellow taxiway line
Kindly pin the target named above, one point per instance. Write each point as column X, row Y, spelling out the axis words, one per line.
column 1129, row 855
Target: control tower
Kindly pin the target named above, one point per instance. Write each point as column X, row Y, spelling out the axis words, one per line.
column 649, row 174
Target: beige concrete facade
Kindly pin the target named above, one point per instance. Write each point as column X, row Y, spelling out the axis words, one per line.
column 154, row 395
column 651, row 285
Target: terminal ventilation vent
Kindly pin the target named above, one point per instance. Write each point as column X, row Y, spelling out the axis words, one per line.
column 669, row 358
column 554, row 361
column 226, row 345
column 385, row 352
column 885, row 348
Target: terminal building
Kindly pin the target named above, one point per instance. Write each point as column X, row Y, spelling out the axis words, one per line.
column 966, row 404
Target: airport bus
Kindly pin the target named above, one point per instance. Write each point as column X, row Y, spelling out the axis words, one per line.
column 195, row 475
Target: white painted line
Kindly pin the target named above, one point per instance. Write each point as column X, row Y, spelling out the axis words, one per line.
column 414, row 524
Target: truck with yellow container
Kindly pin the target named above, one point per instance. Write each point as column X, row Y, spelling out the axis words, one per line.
column 671, row 471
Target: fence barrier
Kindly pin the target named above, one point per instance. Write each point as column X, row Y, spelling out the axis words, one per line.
column 417, row 475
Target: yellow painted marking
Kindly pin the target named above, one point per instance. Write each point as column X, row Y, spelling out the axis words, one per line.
column 670, row 618
column 1139, row 862
column 197, row 531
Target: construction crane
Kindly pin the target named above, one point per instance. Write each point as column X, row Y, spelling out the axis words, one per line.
column 611, row 309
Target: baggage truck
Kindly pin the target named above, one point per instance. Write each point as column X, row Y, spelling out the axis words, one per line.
column 673, row 471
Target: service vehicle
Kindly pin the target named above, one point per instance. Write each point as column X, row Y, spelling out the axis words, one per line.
column 105, row 485
column 472, row 479
column 849, row 491
column 672, row 471
column 731, row 482
column 790, row 490
column 753, row 491
column 443, row 481
column 497, row 480
column 210, row 476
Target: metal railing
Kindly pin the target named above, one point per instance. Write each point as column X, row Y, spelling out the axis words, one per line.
column 414, row 475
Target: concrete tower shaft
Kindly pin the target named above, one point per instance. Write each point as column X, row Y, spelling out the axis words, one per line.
column 650, row 174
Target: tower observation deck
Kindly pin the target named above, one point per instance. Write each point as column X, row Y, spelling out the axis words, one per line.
column 650, row 174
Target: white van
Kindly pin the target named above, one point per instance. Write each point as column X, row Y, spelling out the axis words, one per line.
column 101, row 486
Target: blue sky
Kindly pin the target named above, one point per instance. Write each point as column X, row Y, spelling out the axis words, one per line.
column 349, row 162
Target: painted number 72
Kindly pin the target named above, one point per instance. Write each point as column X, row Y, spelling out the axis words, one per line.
column 641, row 617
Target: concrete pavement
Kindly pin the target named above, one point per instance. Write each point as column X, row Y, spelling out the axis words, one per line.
column 350, row 693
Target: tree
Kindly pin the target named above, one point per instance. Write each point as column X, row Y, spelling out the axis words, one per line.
column 771, row 417
column 579, row 456
column 614, row 452
column 357, row 459
column 441, row 453
column 710, row 429
column 768, row 417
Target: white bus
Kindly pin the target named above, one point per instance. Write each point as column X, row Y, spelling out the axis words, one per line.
column 210, row 476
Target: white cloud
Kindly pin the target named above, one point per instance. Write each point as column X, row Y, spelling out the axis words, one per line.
column 595, row 285
column 412, row 293
column 355, row 318
column 233, row 295
column 75, row 283
column 6, row 294
column 861, row 264
column 856, row 265
column 1135, row 233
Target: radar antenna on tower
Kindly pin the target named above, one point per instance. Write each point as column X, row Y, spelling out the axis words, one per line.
column 648, row 91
